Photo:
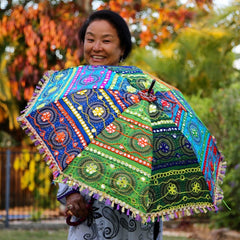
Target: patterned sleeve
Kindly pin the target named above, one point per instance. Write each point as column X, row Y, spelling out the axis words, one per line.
column 63, row 191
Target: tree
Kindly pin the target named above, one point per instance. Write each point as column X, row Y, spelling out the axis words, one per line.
column 6, row 105
column 221, row 113
column 155, row 22
column 197, row 60
column 35, row 37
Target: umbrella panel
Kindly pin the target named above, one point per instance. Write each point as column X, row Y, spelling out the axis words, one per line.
column 145, row 169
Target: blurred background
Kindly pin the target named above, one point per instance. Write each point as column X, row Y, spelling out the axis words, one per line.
column 191, row 44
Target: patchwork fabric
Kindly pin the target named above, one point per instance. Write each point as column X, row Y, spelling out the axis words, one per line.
column 147, row 152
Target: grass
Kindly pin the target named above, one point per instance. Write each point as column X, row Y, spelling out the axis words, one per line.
column 12, row 234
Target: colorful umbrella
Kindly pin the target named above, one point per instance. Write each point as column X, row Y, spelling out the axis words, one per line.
column 103, row 130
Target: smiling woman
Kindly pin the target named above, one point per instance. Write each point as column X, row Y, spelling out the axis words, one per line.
column 106, row 40
column 101, row 44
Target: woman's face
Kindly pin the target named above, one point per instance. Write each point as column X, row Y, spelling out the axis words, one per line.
column 101, row 44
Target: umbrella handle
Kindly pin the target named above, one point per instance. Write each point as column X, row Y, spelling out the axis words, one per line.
column 70, row 223
column 80, row 220
column 151, row 86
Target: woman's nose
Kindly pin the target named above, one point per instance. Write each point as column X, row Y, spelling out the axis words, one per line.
column 97, row 46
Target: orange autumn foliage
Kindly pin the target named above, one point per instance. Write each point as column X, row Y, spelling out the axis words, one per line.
column 146, row 37
column 40, row 36
column 163, row 19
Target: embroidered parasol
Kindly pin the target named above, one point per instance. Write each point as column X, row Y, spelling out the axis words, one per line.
column 127, row 138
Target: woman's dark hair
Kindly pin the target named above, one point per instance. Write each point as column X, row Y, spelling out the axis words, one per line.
column 117, row 22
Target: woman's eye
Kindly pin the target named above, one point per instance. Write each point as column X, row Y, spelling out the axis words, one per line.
column 106, row 41
column 90, row 39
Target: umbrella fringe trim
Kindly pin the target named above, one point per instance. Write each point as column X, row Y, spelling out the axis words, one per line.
column 130, row 211
column 221, row 174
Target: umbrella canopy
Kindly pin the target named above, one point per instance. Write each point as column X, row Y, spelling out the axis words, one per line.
column 103, row 130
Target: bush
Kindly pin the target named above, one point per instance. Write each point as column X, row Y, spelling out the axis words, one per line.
column 221, row 114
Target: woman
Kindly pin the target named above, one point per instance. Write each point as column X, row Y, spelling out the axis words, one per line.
column 106, row 40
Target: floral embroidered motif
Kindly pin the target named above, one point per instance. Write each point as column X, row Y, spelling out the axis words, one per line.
column 196, row 187
column 60, row 137
column 143, row 142
column 111, row 128
column 91, row 168
column 172, row 189
column 122, row 182
column 98, row 111
column 46, row 116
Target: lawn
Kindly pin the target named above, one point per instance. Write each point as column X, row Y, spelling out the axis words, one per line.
column 13, row 234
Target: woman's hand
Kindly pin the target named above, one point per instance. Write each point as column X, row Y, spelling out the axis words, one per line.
column 76, row 205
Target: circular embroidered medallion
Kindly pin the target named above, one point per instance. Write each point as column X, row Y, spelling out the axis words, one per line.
column 141, row 142
column 122, row 182
column 170, row 191
column 164, row 147
column 45, row 116
column 60, row 137
column 195, row 186
column 112, row 131
column 195, row 132
column 97, row 112
column 90, row 169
